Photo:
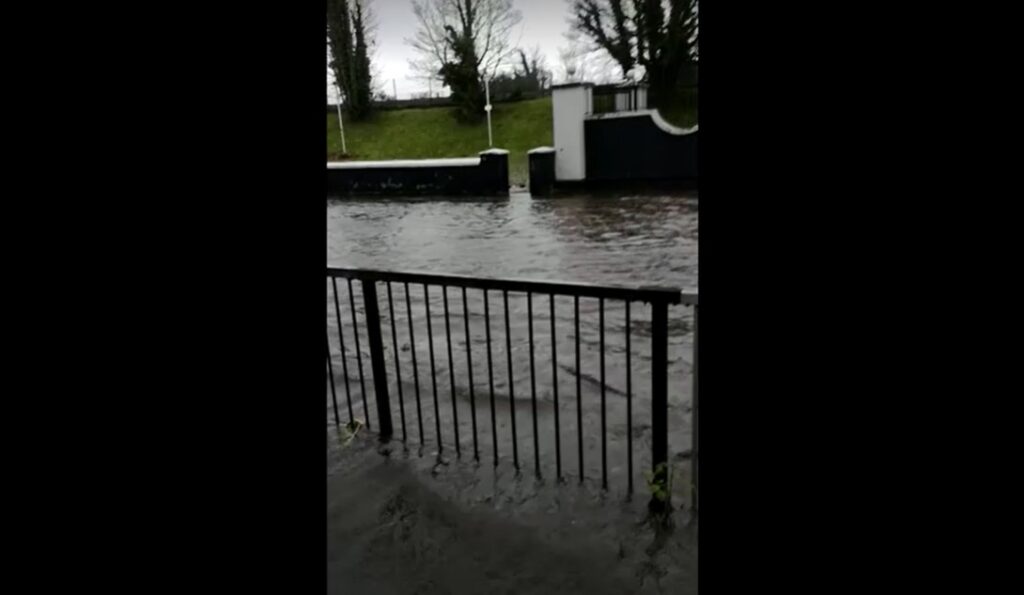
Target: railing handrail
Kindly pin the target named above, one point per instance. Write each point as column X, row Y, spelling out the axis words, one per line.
column 659, row 298
column 647, row 293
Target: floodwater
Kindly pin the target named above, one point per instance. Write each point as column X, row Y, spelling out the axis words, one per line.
column 396, row 526
column 641, row 240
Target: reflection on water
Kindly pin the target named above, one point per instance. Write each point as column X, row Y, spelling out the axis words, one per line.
column 609, row 240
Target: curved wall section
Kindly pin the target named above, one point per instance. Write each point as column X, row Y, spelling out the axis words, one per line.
column 639, row 146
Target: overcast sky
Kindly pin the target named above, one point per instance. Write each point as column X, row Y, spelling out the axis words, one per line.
column 544, row 22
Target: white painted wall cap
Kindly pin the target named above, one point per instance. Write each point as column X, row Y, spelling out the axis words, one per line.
column 494, row 152
column 456, row 162
column 653, row 114
column 541, row 150
column 571, row 85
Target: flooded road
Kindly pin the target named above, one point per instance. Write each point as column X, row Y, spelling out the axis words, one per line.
column 608, row 240
column 629, row 240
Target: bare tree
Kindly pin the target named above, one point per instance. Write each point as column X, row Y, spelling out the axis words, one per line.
column 371, row 26
column 349, row 48
column 533, row 66
column 651, row 39
column 579, row 61
column 489, row 23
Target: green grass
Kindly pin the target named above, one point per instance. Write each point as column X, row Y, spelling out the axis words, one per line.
column 426, row 133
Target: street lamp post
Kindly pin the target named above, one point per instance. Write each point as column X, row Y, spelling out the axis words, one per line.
column 487, row 108
column 341, row 126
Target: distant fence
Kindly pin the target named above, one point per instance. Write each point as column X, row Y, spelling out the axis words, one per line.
column 628, row 98
column 395, row 104
column 618, row 98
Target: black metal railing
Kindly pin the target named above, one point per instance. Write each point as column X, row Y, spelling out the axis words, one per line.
column 618, row 98
column 658, row 298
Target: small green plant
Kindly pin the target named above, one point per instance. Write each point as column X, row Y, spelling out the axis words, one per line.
column 659, row 482
column 351, row 429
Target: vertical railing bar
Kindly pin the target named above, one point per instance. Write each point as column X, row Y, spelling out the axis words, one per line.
column 604, row 435
column 511, row 386
column 451, row 370
column 659, row 395
column 344, row 363
column 694, row 417
column 629, row 402
column 579, row 394
column 398, row 372
column 533, row 386
column 433, row 370
column 359, row 352
column 490, row 376
column 469, row 364
column 371, row 307
column 554, row 389
column 415, row 371
column 330, row 372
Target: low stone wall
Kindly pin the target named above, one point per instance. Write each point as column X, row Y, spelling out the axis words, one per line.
column 485, row 175
column 542, row 171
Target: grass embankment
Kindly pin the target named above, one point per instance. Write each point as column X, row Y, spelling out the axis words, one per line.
column 426, row 133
